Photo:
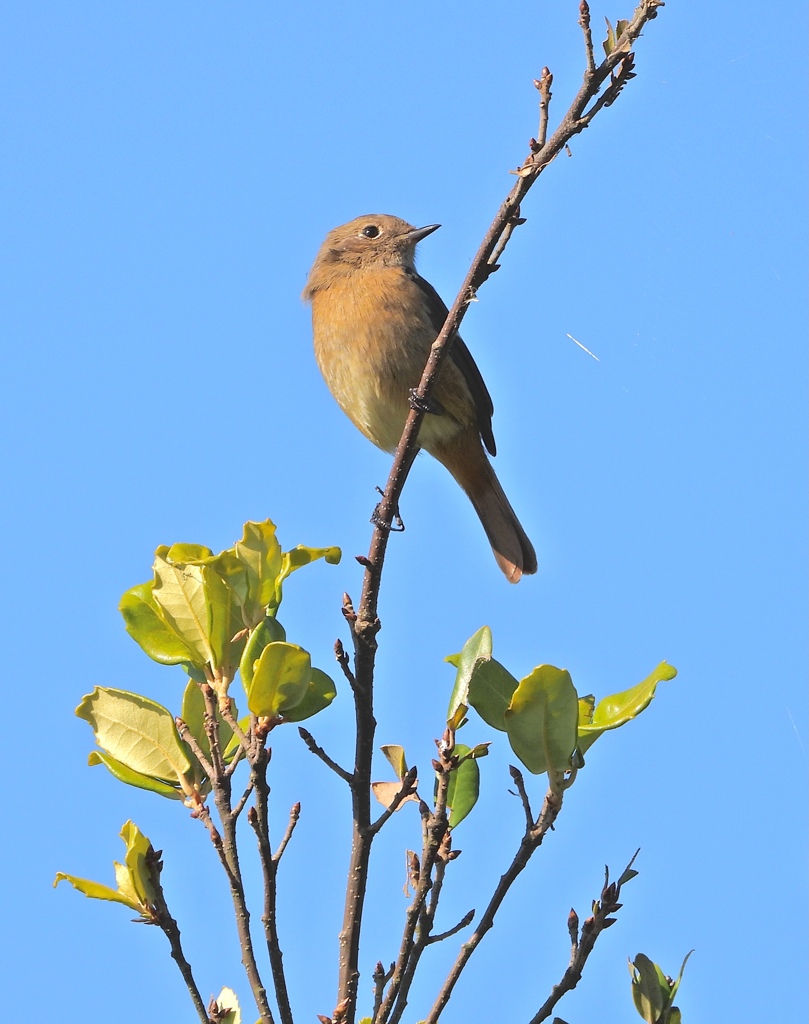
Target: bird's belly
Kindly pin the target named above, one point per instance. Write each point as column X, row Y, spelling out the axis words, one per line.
column 370, row 372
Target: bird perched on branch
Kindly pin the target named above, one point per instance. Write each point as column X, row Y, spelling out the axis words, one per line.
column 374, row 320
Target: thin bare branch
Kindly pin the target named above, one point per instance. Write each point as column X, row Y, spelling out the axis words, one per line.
column 584, row 21
column 294, row 815
column 318, row 751
column 170, row 929
column 463, row 923
column 582, row 946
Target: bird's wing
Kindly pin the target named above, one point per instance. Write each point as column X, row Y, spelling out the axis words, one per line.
column 462, row 357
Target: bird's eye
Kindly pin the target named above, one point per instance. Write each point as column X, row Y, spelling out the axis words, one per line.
column 371, row 231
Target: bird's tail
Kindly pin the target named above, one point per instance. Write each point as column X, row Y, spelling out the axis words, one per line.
column 470, row 466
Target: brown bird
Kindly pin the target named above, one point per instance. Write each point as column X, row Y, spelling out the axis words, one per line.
column 374, row 320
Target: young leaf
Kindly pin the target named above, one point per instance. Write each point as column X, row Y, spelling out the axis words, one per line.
column 541, row 720
column 132, row 778
column 464, row 786
column 228, row 1005
column 134, row 884
column 650, row 989
column 260, row 553
column 477, row 649
column 146, row 626
column 320, row 692
column 137, row 732
column 620, row 708
column 296, row 559
column 268, row 631
column 280, row 679
column 179, row 590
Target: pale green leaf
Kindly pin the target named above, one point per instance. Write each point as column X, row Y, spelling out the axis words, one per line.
column 541, row 720
column 228, row 1004
column 96, row 891
column 620, row 708
column 136, row 731
column 296, row 559
column 138, row 852
column 280, row 679
column 132, row 778
column 179, row 590
column 260, row 553
column 320, row 692
column 268, row 631
column 147, row 628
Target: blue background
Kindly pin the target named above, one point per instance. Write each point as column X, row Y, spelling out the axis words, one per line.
column 169, row 170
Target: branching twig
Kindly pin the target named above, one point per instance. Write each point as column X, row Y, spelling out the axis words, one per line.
column 582, row 947
column 258, row 818
column 170, row 929
column 531, row 840
column 318, row 751
column 365, row 622
column 294, row 815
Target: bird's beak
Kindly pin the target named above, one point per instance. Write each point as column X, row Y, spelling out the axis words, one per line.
column 417, row 234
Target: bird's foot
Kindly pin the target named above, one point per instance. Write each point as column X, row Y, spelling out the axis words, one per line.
column 397, row 526
column 429, row 405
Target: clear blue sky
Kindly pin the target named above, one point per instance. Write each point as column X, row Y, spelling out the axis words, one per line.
column 169, row 170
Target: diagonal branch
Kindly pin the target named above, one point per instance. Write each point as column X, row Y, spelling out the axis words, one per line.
column 364, row 623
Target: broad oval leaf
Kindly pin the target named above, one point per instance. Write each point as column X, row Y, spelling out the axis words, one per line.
column 541, row 720
column 280, row 679
column 147, row 628
column 138, row 849
column 320, row 692
column 490, row 692
column 179, row 590
column 395, row 756
column 268, row 631
column 136, row 731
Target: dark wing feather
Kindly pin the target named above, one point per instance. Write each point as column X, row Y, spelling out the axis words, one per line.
column 462, row 357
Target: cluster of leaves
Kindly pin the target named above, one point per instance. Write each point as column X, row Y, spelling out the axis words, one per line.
column 549, row 727
column 213, row 615
column 653, row 991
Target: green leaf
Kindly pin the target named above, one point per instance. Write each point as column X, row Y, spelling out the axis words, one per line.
column 320, row 692
column 179, row 590
column 185, row 553
column 95, row 890
column 490, row 692
column 478, row 648
column 650, row 989
column 396, row 759
column 137, row 732
column 541, row 720
column 133, row 878
column 224, row 618
column 296, row 559
column 464, row 786
column 620, row 708
column 138, row 851
column 132, row 778
column 260, row 553
column 280, row 679
column 268, row 631
column 147, row 628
